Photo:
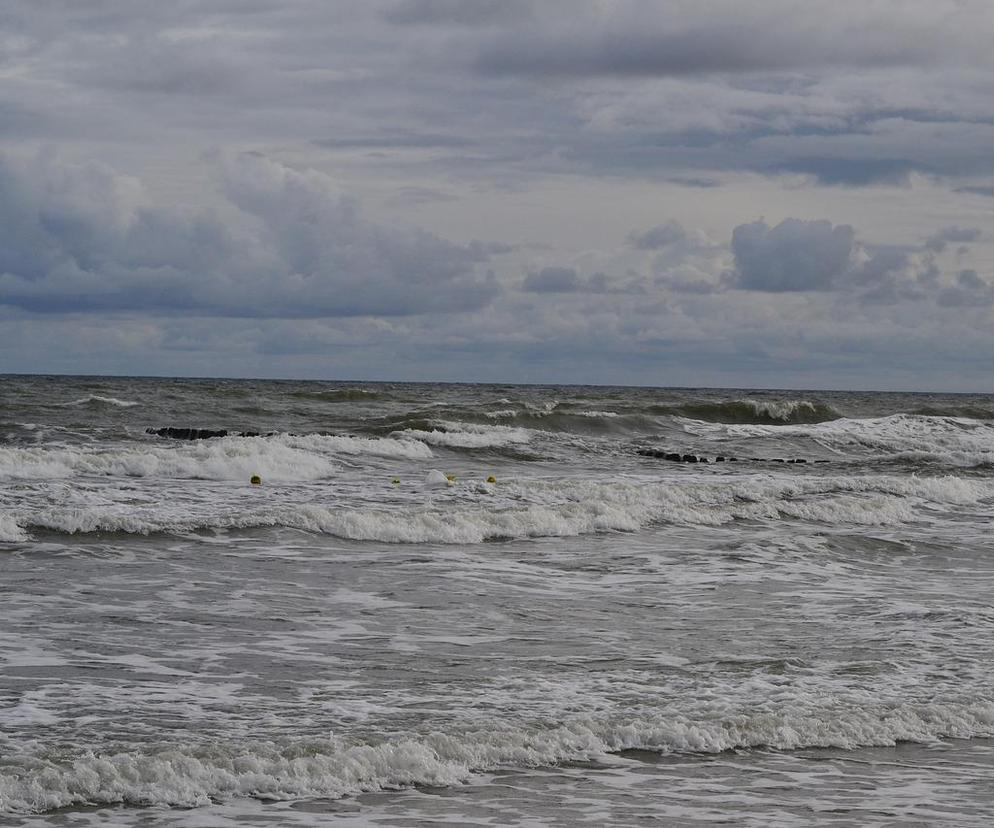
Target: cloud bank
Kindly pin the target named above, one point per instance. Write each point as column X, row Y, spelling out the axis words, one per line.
column 84, row 238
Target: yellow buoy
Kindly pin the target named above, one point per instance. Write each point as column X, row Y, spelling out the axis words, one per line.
column 491, row 479
column 451, row 478
column 255, row 480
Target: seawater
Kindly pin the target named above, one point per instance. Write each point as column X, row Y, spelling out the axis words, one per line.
column 601, row 636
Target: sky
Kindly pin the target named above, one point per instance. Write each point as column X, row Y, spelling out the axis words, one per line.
column 766, row 194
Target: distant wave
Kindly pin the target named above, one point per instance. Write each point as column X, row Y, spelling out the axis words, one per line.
column 565, row 417
column 339, row 395
column 571, row 420
column 187, row 775
column 973, row 412
column 773, row 412
column 97, row 401
column 466, row 435
column 948, row 441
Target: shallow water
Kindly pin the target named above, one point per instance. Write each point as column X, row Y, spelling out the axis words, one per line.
column 599, row 636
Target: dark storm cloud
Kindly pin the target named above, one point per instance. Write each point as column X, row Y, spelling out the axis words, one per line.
column 793, row 256
column 81, row 238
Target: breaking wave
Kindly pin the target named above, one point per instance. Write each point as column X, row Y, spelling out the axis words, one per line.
column 775, row 412
column 97, row 401
column 546, row 509
column 191, row 776
column 466, row 435
column 10, row 531
column 280, row 457
column 942, row 440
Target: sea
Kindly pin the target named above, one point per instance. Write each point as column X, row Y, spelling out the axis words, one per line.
column 493, row 605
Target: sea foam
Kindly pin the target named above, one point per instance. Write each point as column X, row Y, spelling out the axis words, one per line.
column 542, row 508
column 191, row 775
column 279, row 457
column 468, row 435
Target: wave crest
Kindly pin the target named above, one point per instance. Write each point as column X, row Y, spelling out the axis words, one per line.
column 191, row 776
column 773, row 412
column 549, row 509
column 280, row 457
column 98, row 401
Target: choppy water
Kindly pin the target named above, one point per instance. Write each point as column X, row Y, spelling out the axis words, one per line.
column 601, row 636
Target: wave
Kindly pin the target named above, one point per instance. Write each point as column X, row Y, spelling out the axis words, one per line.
column 558, row 416
column 339, row 395
column 774, row 412
column 518, row 510
column 280, row 457
column 97, row 401
column 973, row 412
column 11, row 531
column 466, row 435
column 953, row 441
column 190, row 775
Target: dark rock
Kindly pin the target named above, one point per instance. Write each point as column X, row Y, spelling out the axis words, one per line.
column 187, row 433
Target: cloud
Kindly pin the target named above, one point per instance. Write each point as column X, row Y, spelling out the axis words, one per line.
column 938, row 241
column 856, row 172
column 696, row 182
column 970, row 280
column 557, row 127
column 568, row 280
column 629, row 39
column 82, row 237
column 396, row 139
column 795, row 255
column 552, row 280
column 659, row 236
column 417, row 195
column 457, row 12
column 969, row 291
column 981, row 190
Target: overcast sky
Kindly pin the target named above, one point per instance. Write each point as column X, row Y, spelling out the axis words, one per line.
column 706, row 193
